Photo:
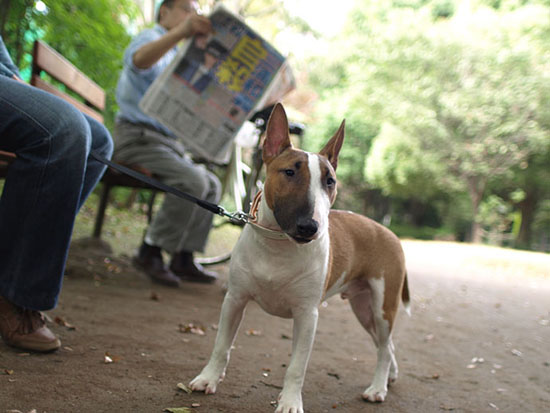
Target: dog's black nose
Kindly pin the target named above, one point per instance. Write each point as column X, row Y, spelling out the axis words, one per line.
column 306, row 227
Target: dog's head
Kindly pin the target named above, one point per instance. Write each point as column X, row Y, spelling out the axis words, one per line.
column 300, row 187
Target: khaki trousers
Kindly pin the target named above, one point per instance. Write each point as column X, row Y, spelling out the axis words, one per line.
column 179, row 225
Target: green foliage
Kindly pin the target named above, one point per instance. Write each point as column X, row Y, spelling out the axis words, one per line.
column 93, row 36
column 16, row 28
column 90, row 34
column 495, row 214
column 542, row 218
column 461, row 103
column 398, row 165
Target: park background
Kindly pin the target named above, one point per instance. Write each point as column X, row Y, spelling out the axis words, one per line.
column 447, row 103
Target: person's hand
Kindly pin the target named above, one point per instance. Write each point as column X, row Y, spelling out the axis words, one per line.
column 192, row 25
column 18, row 79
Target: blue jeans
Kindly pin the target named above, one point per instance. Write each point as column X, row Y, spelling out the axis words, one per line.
column 44, row 190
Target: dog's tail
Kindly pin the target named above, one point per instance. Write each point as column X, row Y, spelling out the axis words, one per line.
column 405, row 296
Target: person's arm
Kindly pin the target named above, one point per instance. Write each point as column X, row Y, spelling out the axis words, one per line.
column 150, row 53
column 6, row 61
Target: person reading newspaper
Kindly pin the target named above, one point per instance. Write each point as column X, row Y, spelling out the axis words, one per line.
column 181, row 228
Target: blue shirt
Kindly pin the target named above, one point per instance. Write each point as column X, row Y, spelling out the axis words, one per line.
column 134, row 82
column 7, row 68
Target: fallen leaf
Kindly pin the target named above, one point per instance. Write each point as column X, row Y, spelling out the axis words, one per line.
column 183, row 387
column 8, row 372
column 68, row 348
column 109, row 358
column 435, row 376
column 62, row 322
column 191, row 328
column 448, row 408
column 335, row 375
column 285, row 337
column 177, row 410
column 252, row 332
column 154, row 296
column 195, row 405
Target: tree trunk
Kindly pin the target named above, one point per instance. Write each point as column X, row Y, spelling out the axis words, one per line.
column 476, row 188
column 527, row 208
column 5, row 6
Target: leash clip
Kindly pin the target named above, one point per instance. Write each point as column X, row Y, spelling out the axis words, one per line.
column 239, row 217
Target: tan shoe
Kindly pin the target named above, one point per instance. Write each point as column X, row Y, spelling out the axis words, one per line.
column 25, row 329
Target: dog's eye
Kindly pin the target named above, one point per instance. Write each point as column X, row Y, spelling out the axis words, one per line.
column 289, row 172
column 331, row 181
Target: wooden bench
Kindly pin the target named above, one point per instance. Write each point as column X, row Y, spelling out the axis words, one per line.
column 92, row 102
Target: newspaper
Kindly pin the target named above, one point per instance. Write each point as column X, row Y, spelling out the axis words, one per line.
column 214, row 84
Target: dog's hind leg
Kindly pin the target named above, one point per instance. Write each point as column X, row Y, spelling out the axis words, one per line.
column 230, row 319
column 367, row 304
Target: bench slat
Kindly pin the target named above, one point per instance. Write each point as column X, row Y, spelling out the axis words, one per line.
column 7, row 156
column 41, row 84
column 47, row 59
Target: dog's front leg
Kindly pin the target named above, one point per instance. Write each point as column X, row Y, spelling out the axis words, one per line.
column 305, row 325
column 230, row 319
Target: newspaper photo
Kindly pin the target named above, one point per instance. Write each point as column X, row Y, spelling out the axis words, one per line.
column 215, row 83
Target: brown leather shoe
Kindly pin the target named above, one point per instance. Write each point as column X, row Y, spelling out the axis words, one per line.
column 25, row 329
column 185, row 267
column 149, row 260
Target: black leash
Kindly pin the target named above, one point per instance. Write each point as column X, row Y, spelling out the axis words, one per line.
column 237, row 217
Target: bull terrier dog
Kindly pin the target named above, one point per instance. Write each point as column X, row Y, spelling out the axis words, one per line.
column 297, row 252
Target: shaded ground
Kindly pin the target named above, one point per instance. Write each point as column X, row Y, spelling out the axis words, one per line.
column 478, row 341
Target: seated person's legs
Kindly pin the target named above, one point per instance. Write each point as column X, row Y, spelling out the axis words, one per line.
column 102, row 145
column 180, row 227
column 41, row 197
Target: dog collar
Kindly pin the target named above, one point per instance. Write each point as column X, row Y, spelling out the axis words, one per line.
column 260, row 229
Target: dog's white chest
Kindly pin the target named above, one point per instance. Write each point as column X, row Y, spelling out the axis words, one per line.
column 279, row 275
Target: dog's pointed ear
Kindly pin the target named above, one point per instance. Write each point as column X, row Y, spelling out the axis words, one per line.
column 333, row 146
column 277, row 138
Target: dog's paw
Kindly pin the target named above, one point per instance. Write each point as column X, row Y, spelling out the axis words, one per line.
column 392, row 377
column 206, row 382
column 374, row 394
column 290, row 404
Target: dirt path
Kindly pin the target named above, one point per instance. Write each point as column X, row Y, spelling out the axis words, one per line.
column 478, row 341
